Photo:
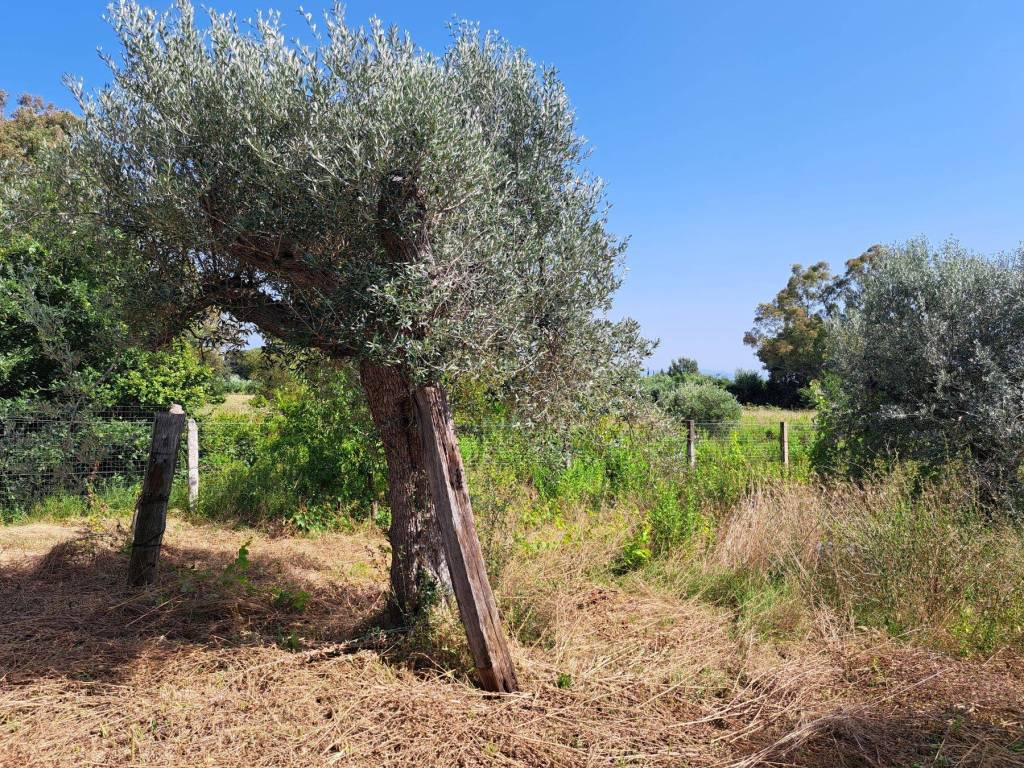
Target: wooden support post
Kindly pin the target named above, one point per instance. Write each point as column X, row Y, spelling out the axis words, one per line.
column 193, row 465
column 691, row 442
column 446, row 476
column 784, row 443
column 151, row 512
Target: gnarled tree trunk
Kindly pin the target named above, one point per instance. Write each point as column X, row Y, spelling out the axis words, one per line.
column 419, row 569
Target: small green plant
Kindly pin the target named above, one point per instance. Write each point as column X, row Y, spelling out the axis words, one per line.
column 294, row 601
column 636, row 553
column 564, row 680
column 237, row 571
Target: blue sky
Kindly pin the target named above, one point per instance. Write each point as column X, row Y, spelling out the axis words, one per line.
column 736, row 137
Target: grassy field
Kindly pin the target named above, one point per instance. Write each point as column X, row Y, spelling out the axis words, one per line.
column 736, row 613
column 234, row 403
column 260, row 651
column 754, row 415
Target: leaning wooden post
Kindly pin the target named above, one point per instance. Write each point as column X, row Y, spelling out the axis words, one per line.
column 443, row 463
column 691, row 442
column 193, row 465
column 784, row 443
column 151, row 512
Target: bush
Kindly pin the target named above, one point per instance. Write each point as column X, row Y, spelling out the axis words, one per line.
column 49, row 451
column 750, row 388
column 928, row 364
column 702, row 403
column 157, row 379
column 312, row 459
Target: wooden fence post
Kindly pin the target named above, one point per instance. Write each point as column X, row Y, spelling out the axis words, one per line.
column 151, row 512
column 784, row 443
column 691, row 442
column 473, row 593
column 193, row 465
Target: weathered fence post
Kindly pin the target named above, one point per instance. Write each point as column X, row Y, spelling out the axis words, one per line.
column 151, row 512
column 691, row 442
column 473, row 593
column 784, row 443
column 193, row 465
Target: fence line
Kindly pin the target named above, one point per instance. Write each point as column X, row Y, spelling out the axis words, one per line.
column 46, row 453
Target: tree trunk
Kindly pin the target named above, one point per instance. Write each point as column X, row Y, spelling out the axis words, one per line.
column 419, row 568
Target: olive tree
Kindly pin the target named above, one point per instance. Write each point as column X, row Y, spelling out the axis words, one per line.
column 428, row 217
column 927, row 363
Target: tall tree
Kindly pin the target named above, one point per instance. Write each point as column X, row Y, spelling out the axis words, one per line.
column 426, row 216
column 789, row 332
column 33, row 127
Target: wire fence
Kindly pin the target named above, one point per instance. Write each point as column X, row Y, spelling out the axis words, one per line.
column 48, row 453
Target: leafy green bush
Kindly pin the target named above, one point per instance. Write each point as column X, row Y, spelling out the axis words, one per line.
column 157, row 379
column 704, row 403
column 56, row 452
column 312, row 459
column 750, row 388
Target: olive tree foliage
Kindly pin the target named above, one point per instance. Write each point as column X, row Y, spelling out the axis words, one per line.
column 428, row 217
column 363, row 197
column 927, row 364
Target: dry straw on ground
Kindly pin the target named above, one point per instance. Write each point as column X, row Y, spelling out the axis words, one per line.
column 209, row 669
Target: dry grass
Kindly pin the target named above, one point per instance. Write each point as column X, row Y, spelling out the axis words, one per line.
column 197, row 671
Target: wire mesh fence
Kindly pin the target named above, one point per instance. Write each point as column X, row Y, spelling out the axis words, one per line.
column 47, row 453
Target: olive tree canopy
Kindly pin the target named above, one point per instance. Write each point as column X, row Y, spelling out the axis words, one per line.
column 362, row 196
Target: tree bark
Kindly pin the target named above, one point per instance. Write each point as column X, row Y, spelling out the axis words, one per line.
column 447, row 476
column 419, row 568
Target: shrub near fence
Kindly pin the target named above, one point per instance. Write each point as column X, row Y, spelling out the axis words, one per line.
column 46, row 454
column 313, row 468
column 646, row 470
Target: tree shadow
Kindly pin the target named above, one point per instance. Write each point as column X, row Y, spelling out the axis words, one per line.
column 70, row 613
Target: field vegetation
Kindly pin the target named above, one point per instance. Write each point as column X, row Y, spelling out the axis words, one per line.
column 861, row 604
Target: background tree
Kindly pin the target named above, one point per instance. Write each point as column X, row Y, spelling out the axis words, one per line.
column 682, row 367
column 33, row 127
column 426, row 216
column 684, row 393
column 789, row 332
column 62, row 331
column 927, row 363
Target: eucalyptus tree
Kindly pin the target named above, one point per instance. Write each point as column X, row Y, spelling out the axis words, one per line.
column 427, row 216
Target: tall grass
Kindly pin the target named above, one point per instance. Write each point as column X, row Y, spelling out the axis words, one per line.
column 916, row 559
column 910, row 555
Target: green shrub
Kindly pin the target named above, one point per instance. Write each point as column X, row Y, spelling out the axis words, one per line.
column 701, row 402
column 927, row 365
column 312, row 459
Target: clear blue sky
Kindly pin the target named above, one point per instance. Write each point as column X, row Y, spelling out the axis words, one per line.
column 736, row 137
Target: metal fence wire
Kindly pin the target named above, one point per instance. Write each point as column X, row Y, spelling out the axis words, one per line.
column 46, row 453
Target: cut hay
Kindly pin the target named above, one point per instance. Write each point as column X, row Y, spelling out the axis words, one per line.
column 210, row 669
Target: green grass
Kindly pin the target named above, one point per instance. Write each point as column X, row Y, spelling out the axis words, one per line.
column 235, row 403
column 115, row 499
column 761, row 415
